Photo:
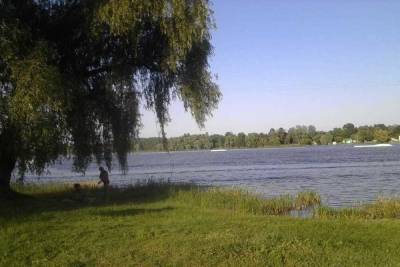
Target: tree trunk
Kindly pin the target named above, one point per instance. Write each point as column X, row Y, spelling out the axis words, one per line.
column 7, row 157
column 6, row 167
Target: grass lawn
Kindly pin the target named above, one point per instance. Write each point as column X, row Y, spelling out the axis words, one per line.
column 182, row 225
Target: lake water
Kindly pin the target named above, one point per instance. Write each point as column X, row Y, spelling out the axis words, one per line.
column 343, row 175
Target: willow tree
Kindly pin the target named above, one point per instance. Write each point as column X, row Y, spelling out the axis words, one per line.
column 73, row 74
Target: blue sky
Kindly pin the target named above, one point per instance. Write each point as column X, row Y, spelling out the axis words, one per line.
column 286, row 63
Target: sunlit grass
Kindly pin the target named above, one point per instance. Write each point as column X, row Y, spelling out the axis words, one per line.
column 307, row 199
column 236, row 200
column 157, row 223
column 380, row 209
column 243, row 201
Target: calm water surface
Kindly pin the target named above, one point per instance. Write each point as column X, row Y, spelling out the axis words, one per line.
column 343, row 175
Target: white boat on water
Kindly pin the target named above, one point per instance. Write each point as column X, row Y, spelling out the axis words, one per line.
column 377, row 145
column 218, row 150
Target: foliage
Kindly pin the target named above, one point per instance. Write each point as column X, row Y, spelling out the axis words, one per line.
column 73, row 74
column 365, row 133
column 348, row 130
column 381, row 135
column 299, row 135
column 326, row 139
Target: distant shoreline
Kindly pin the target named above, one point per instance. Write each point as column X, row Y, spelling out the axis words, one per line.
column 253, row 148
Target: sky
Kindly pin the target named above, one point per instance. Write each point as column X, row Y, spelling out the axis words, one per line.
column 284, row 63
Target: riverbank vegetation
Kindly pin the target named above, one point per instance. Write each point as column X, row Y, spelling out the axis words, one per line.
column 299, row 135
column 168, row 224
column 380, row 209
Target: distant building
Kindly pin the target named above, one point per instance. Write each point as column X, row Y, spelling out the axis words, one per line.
column 348, row 141
column 395, row 140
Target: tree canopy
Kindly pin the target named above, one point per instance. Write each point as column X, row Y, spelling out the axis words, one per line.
column 299, row 135
column 74, row 73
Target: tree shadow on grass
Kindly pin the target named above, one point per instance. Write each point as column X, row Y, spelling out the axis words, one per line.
column 130, row 212
column 41, row 199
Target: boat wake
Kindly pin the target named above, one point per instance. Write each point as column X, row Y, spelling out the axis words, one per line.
column 377, row 145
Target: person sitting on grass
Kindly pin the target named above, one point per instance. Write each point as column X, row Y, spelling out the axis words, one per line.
column 104, row 177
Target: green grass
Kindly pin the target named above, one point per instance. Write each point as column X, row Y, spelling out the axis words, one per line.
column 388, row 208
column 240, row 201
column 163, row 224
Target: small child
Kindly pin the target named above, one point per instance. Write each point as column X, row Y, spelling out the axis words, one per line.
column 103, row 177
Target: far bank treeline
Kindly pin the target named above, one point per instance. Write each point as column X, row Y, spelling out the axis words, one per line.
column 299, row 135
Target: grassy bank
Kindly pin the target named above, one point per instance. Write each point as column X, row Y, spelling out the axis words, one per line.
column 155, row 224
column 383, row 208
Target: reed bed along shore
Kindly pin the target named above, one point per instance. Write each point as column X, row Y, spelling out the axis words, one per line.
column 382, row 208
column 233, row 199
